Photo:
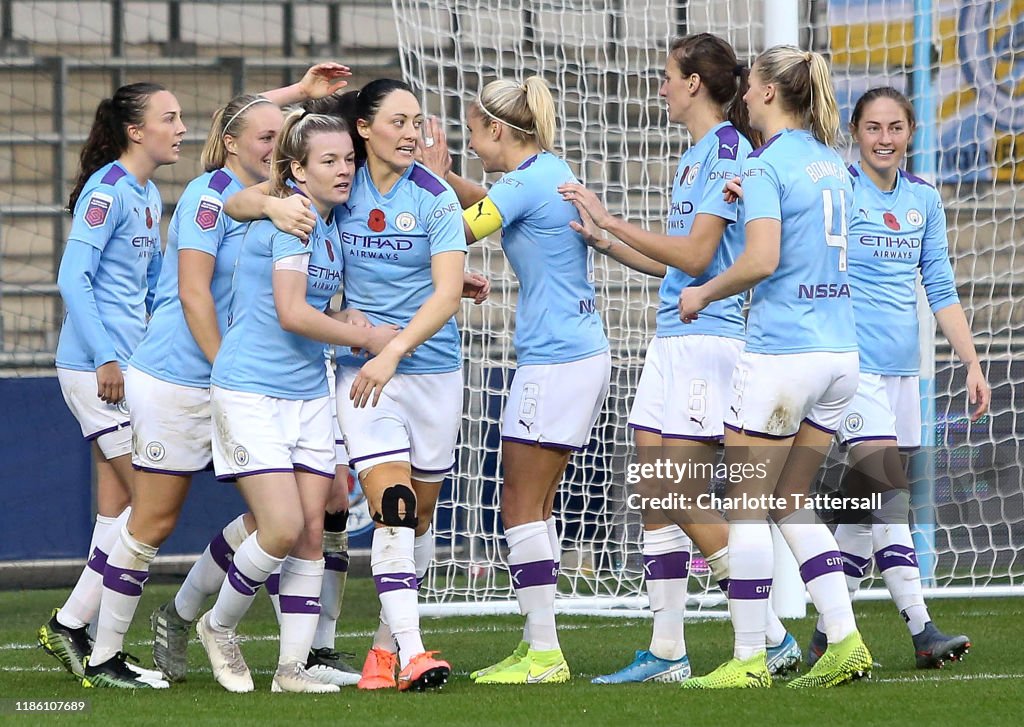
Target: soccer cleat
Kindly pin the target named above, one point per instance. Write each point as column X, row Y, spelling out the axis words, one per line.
column 379, row 670
column 229, row 668
column 783, row 658
column 934, row 648
column 326, row 665
column 749, row 673
column 170, row 642
column 819, row 642
column 646, row 667
column 116, row 673
column 512, row 659
column 295, row 677
column 68, row 646
column 537, row 667
column 841, row 663
column 424, row 672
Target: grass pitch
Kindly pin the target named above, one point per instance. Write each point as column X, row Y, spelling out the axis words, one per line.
column 986, row 689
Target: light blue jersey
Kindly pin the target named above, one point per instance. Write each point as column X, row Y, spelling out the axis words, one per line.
column 805, row 304
column 120, row 220
column 892, row 236
column 256, row 354
column 697, row 190
column 556, row 316
column 168, row 351
column 388, row 241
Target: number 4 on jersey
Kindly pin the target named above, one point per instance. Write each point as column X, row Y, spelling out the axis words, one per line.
column 834, row 201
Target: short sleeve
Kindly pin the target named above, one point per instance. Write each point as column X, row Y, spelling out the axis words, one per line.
column 444, row 223
column 712, row 200
column 283, row 245
column 511, row 195
column 202, row 223
column 96, row 218
column 762, row 191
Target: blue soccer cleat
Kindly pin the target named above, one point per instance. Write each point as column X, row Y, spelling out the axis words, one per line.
column 784, row 658
column 646, row 667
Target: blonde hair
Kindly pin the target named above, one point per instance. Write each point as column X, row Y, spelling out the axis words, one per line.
column 527, row 108
column 293, row 145
column 229, row 119
column 804, row 86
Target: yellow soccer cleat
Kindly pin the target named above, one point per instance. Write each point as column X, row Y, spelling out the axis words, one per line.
column 537, row 667
column 511, row 660
column 750, row 673
column 841, row 663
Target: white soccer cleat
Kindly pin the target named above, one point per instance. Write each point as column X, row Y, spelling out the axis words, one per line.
column 293, row 677
column 229, row 668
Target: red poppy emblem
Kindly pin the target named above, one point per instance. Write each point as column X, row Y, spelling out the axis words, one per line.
column 891, row 222
column 149, row 219
column 330, row 250
column 377, row 221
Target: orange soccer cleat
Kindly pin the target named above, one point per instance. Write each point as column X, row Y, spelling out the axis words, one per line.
column 424, row 672
column 378, row 670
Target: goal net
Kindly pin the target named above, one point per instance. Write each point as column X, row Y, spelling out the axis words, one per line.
column 603, row 60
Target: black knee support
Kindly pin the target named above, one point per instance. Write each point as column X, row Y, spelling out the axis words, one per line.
column 335, row 522
column 390, row 511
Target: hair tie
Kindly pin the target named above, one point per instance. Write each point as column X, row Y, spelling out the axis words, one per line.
column 258, row 99
column 808, row 56
column 738, row 69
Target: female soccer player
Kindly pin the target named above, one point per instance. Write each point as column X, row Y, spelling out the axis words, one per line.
column 683, row 393
column 269, row 402
column 563, row 362
column 404, row 255
column 798, row 369
column 898, row 228
column 170, row 372
column 107, row 278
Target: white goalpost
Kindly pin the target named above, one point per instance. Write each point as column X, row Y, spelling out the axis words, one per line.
column 603, row 59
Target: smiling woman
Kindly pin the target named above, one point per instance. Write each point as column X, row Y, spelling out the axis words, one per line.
column 107, row 277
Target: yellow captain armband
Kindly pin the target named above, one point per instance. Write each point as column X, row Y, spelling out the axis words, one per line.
column 482, row 218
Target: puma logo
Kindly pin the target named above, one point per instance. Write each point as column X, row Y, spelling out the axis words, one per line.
column 131, row 579
column 480, row 210
column 698, row 422
column 407, row 581
column 909, row 557
column 526, row 425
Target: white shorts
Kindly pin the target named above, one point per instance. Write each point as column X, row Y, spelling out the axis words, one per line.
column 171, row 425
column 108, row 424
column 254, row 434
column 884, row 408
column 556, row 405
column 685, row 387
column 417, row 420
column 773, row 395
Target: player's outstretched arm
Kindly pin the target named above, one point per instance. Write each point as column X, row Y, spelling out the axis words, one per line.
column 759, row 259
column 690, row 253
column 320, row 80
column 618, row 251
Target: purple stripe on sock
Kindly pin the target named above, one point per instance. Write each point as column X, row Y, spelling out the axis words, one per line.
column 831, row 561
column 855, row 566
column 97, row 561
column 537, row 573
column 221, row 552
column 896, row 556
column 667, row 566
column 724, row 585
column 241, row 582
column 274, row 584
column 336, row 562
column 124, row 581
column 300, row 604
column 387, row 582
column 756, row 590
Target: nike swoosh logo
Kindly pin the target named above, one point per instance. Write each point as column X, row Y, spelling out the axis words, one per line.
column 534, row 679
